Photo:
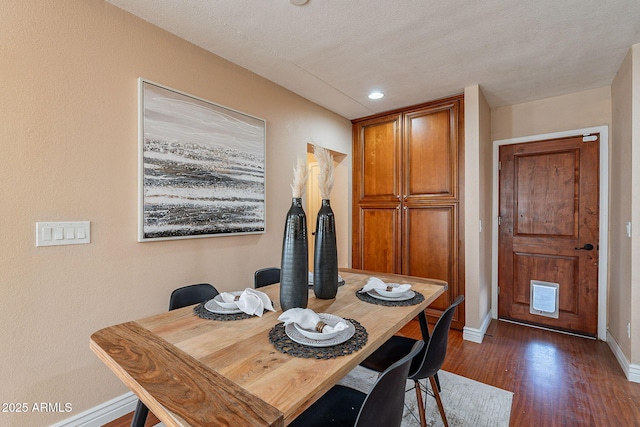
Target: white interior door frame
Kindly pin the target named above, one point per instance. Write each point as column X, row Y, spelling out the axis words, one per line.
column 603, row 266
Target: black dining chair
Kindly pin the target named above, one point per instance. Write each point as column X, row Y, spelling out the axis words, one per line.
column 181, row 297
column 343, row 406
column 426, row 364
column 266, row 276
column 192, row 294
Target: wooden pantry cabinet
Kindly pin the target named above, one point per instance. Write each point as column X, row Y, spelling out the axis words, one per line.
column 407, row 196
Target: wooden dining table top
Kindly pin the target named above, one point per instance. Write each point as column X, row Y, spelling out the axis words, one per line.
column 192, row 371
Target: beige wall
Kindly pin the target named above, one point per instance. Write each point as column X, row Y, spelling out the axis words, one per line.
column 621, row 209
column 635, row 219
column 477, row 207
column 624, row 273
column 486, row 205
column 574, row 111
column 68, row 116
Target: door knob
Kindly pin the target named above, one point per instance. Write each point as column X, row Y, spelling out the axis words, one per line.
column 587, row 247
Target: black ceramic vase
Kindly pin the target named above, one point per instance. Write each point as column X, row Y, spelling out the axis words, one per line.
column 294, row 268
column 325, row 256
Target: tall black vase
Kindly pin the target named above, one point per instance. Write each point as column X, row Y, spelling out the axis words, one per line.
column 294, row 268
column 325, row 257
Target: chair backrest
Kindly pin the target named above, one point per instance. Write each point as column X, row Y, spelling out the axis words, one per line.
column 429, row 362
column 192, row 294
column 266, row 276
column 384, row 404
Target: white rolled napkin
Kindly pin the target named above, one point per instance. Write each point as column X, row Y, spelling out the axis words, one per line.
column 250, row 301
column 375, row 283
column 308, row 319
column 229, row 297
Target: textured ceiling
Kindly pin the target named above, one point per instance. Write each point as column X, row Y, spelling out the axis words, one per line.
column 334, row 52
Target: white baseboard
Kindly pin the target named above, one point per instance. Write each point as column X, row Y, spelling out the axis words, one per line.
column 477, row 335
column 634, row 373
column 631, row 371
column 103, row 413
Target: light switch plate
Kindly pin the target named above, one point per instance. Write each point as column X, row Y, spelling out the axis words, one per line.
column 63, row 233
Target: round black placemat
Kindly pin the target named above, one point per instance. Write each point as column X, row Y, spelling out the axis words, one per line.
column 206, row 314
column 417, row 299
column 279, row 338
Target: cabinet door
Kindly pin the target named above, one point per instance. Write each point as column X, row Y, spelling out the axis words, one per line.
column 430, row 249
column 431, row 153
column 379, row 239
column 376, row 194
column 432, row 202
column 377, row 172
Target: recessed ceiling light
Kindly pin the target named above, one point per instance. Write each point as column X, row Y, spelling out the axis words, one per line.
column 298, row 2
column 376, row 95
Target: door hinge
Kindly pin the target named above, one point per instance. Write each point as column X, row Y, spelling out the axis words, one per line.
column 499, row 166
column 499, row 220
column 498, row 290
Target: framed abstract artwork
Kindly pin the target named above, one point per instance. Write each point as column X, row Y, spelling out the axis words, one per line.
column 201, row 167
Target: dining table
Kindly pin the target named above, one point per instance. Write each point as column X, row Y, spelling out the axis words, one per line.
column 191, row 370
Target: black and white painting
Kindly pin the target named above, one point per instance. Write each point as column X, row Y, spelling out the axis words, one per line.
column 202, row 167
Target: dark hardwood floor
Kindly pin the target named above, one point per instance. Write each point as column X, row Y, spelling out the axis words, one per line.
column 557, row 379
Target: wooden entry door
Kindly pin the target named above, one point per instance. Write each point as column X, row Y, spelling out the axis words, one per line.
column 548, row 230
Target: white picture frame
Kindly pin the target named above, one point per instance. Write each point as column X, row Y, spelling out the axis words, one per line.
column 201, row 167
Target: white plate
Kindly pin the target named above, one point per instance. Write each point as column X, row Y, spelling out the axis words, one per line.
column 405, row 296
column 391, row 294
column 233, row 305
column 320, row 336
column 330, row 319
column 213, row 306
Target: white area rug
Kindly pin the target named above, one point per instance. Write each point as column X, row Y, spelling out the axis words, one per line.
column 466, row 402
